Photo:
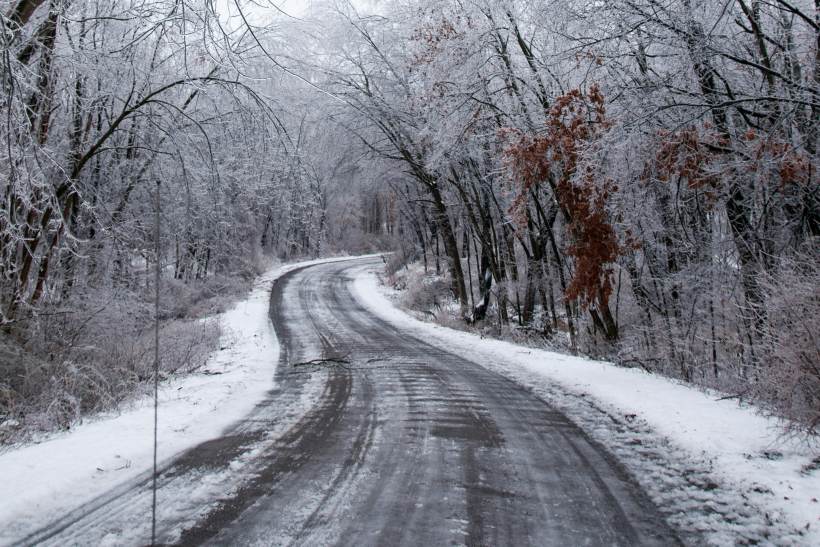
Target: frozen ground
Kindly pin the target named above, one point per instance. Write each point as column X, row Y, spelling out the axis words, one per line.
column 40, row 481
column 719, row 470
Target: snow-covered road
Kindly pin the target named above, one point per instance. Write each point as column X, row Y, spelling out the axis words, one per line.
column 410, row 444
column 404, row 433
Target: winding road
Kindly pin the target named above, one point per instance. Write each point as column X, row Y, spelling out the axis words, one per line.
column 374, row 437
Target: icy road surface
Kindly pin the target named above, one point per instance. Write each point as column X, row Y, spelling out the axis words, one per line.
column 385, row 440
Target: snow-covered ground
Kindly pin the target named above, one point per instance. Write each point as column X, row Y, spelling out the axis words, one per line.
column 40, row 482
column 722, row 472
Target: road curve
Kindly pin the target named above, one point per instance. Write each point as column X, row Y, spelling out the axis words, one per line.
column 388, row 441
column 411, row 445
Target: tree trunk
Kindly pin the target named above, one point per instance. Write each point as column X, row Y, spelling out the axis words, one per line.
column 445, row 229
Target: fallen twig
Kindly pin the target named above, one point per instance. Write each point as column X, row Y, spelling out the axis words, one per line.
column 325, row 361
column 738, row 396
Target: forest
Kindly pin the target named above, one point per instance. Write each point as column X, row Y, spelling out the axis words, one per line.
column 631, row 180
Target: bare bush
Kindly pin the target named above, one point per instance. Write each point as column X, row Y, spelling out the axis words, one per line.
column 424, row 293
column 788, row 379
column 398, row 260
column 92, row 358
column 180, row 300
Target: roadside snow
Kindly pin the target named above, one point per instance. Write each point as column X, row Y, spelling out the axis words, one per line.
column 723, row 472
column 42, row 481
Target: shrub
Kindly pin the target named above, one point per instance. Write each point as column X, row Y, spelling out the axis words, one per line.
column 788, row 380
column 97, row 351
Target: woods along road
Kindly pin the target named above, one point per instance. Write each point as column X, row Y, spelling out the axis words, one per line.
column 374, row 437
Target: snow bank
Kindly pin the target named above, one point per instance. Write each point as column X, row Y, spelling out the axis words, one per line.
column 745, row 449
column 42, row 481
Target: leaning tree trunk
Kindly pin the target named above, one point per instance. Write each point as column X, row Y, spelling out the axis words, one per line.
column 445, row 229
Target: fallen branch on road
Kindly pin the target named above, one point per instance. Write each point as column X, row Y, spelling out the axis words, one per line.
column 337, row 361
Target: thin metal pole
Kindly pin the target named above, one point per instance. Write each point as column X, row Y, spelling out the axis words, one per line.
column 156, row 369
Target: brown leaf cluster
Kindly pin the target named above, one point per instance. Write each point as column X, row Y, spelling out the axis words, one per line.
column 575, row 120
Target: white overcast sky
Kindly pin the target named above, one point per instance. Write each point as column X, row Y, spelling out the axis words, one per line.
column 260, row 11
